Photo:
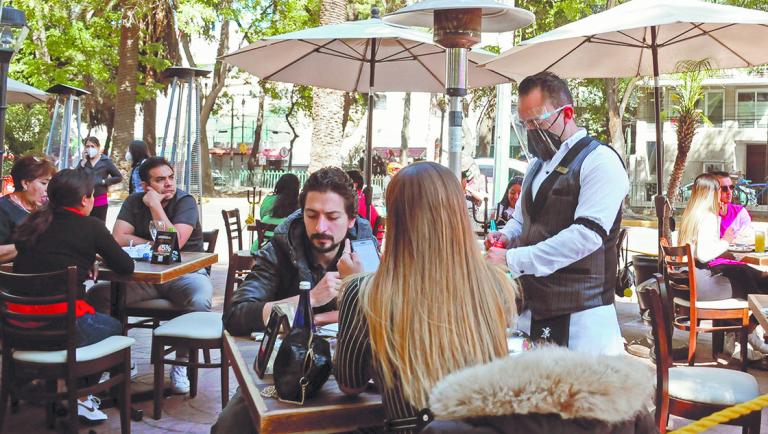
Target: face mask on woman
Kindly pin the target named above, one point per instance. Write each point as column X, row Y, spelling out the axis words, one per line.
column 92, row 152
column 128, row 157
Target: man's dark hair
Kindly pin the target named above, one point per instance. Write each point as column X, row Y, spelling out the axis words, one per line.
column 720, row 174
column 357, row 178
column 149, row 164
column 335, row 180
column 554, row 88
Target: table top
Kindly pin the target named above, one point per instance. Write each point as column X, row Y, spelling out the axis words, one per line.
column 329, row 411
column 758, row 303
column 162, row 273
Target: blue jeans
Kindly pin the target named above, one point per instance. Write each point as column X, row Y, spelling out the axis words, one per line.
column 92, row 328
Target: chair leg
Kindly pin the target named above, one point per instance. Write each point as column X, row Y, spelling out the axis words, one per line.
column 224, row 380
column 207, row 355
column 74, row 424
column 717, row 341
column 50, row 407
column 159, row 377
column 692, row 345
column 125, row 394
column 744, row 348
column 5, row 390
column 192, row 371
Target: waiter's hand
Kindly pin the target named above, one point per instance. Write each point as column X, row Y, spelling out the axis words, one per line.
column 497, row 256
column 494, row 237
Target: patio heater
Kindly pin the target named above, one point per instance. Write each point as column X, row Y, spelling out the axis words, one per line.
column 13, row 30
column 457, row 26
column 66, row 111
column 183, row 151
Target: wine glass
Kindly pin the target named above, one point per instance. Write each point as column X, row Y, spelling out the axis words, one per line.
column 156, row 226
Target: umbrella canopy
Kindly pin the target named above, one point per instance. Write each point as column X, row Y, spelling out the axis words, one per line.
column 644, row 38
column 20, row 93
column 338, row 56
column 618, row 42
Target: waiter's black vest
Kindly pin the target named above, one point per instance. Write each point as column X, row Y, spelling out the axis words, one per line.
column 588, row 282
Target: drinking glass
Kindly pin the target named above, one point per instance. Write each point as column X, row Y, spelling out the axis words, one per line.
column 156, row 226
column 759, row 241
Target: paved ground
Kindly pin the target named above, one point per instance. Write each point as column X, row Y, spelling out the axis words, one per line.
column 182, row 414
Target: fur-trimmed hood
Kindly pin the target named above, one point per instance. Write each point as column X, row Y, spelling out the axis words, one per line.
column 548, row 380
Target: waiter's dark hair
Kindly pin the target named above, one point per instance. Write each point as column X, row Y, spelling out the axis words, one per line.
column 553, row 87
column 66, row 189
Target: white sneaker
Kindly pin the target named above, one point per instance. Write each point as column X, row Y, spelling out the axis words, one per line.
column 757, row 340
column 752, row 354
column 134, row 372
column 89, row 409
column 179, row 380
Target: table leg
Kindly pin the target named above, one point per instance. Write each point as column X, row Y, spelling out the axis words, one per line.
column 117, row 300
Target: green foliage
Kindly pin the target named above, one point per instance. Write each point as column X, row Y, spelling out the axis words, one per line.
column 689, row 92
column 26, row 128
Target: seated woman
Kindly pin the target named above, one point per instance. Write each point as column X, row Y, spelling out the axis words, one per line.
column 506, row 207
column 283, row 201
column 718, row 276
column 137, row 153
column 30, row 181
column 60, row 235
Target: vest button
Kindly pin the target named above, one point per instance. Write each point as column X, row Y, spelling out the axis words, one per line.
column 522, row 271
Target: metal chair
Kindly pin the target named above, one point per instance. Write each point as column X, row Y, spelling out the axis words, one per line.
column 50, row 353
column 196, row 331
column 693, row 392
column 731, row 314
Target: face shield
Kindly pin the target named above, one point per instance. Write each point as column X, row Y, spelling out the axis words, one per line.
column 535, row 137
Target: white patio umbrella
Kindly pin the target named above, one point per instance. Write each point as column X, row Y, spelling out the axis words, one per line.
column 644, row 38
column 20, row 93
column 358, row 56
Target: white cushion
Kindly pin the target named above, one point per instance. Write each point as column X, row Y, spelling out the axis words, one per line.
column 100, row 349
column 728, row 303
column 193, row 325
column 712, row 385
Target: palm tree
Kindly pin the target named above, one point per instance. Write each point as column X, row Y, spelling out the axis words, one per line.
column 327, row 105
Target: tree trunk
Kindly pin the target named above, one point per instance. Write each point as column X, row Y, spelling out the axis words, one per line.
column 686, row 128
column 615, row 126
column 405, row 129
column 253, row 159
column 149, row 107
column 327, row 105
column 127, row 80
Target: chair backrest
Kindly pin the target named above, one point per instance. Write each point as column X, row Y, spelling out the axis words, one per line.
column 680, row 275
column 34, row 290
column 234, row 229
column 660, row 325
column 239, row 267
column 209, row 240
column 261, row 230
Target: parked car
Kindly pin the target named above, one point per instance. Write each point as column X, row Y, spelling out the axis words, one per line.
column 516, row 167
column 218, row 179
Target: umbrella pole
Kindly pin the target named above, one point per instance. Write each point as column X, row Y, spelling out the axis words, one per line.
column 659, row 200
column 368, row 191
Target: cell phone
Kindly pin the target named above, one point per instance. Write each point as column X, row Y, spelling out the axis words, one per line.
column 278, row 321
column 368, row 254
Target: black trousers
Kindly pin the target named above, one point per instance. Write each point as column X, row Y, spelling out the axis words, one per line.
column 744, row 279
column 100, row 212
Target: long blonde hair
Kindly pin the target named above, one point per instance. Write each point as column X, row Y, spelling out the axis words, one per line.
column 434, row 306
column 705, row 199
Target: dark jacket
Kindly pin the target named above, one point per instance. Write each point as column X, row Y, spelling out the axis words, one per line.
column 279, row 268
column 104, row 174
column 549, row 390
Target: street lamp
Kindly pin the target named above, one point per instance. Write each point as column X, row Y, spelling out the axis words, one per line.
column 457, row 26
column 13, row 30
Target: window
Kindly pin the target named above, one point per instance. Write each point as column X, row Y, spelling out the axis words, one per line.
column 650, row 148
column 752, row 108
column 713, row 107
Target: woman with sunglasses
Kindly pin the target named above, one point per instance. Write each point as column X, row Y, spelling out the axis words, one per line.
column 734, row 218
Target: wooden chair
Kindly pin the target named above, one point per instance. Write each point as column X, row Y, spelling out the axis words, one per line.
column 234, row 229
column 261, row 231
column 731, row 314
column 196, row 331
column 159, row 309
column 50, row 353
column 693, row 392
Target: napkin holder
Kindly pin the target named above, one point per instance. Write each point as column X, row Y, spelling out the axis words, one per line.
column 165, row 249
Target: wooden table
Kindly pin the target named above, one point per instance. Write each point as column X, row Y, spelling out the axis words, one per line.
column 757, row 304
column 329, row 411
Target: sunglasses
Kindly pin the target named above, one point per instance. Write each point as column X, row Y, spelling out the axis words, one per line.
column 725, row 188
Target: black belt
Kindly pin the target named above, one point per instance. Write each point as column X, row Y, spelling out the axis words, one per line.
column 555, row 330
column 415, row 423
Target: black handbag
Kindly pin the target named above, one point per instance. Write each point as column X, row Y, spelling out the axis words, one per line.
column 625, row 279
column 302, row 365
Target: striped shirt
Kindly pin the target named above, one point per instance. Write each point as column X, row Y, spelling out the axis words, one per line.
column 354, row 364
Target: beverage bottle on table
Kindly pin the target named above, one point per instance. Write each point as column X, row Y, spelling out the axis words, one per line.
column 303, row 316
column 759, row 241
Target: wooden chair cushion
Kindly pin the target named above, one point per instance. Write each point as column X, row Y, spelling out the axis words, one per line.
column 100, row 349
column 728, row 303
column 712, row 385
column 193, row 325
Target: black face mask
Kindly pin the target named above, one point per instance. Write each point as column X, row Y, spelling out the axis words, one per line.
column 543, row 144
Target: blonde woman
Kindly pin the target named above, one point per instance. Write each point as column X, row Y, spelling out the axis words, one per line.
column 433, row 307
column 718, row 276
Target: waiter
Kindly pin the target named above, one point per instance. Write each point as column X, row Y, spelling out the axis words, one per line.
column 561, row 240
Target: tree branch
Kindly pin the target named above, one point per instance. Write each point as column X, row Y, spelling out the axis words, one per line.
column 627, row 94
column 184, row 39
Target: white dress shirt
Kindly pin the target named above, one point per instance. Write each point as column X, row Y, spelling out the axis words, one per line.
column 604, row 184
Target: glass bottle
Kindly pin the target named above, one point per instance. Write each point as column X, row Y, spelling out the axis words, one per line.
column 304, row 316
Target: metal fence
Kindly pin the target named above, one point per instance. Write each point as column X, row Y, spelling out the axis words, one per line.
column 268, row 178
